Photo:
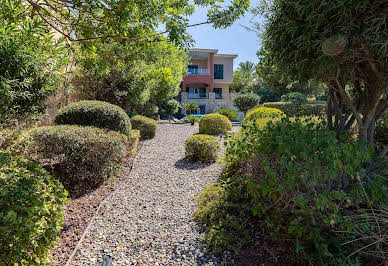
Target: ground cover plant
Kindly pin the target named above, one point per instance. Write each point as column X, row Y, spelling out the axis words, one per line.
column 310, row 197
column 214, row 124
column 97, row 114
column 32, row 206
column 202, row 148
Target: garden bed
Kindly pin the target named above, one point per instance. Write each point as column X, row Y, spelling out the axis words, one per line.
column 81, row 209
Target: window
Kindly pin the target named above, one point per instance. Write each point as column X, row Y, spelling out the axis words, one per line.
column 192, row 69
column 218, row 71
column 218, row 93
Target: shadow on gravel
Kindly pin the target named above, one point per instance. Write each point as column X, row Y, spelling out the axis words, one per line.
column 185, row 164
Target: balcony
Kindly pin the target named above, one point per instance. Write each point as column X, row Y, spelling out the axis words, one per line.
column 202, row 95
column 198, row 71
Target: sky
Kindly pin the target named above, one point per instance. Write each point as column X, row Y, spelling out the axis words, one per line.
column 232, row 40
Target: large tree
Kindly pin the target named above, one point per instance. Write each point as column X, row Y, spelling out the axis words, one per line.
column 134, row 77
column 341, row 43
column 80, row 20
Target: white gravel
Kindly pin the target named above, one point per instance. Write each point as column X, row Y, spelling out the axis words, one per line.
column 149, row 220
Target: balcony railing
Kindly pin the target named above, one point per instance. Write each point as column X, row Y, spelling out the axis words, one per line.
column 202, row 95
column 199, row 71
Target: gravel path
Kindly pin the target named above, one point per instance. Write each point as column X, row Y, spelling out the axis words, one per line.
column 148, row 221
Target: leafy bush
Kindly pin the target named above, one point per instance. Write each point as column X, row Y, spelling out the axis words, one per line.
column 202, row 148
column 229, row 113
column 295, row 98
column 291, row 109
column 322, row 98
column 191, row 119
column 303, row 187
column 245, row 102
column 97, row 114
column 263, row 112
column 214, row 124
column 79, row 156
column 147, row 126
column 30, row 66
column 32, row 207
column 170, row 107
column 267, row 95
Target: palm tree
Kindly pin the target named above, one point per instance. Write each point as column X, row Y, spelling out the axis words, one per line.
column 247, row 67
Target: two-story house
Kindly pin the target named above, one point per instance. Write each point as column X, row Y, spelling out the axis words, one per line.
column 207, row 81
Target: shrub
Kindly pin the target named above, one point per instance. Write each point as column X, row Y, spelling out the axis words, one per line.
column 214, row 124
column 245, row 102
column 79, row 156
column 97, row 114
column 303, row 187
column 291, row 109
column 191, row 119
column 32, row 207
column 295, row 98
column 170, row 107
column 263, row 112
column 267, row 95
column 229, row 113
column 203, row 148
column 147, row 126
column 132, row 141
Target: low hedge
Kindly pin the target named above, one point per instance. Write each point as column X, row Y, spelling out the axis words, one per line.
column 147, row 126
column 203, row 148
column 291, row 109
column 32, row 205
column 76, row 155
column 97, row 114
column 263, row 112
column 294, row 97
column 214, row 124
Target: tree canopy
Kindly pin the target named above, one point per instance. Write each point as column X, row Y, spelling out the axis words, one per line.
column 340, row 43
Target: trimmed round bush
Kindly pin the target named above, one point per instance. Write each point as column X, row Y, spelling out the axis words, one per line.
column 214, row 124
column 246, row 101
column 80, row 157
column 97, row 114
column 32, row 205
column 263, row 112
column 203, row 148
column 147, row 126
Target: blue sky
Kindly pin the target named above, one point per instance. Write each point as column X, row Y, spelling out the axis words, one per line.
column 233, row 40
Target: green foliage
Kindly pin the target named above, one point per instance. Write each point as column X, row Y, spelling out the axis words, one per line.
column 263, row 112
column 229, row 113
column 203, row 148
column 190, row 107
column 191, row 119
column 32, row 206
column 291, row 109
column 80, row 157
column 134, row 77
column 170, row 107
column 147, row 126
column 97, row 114
column 214, row 124
column 295, row 98
column 381, row 132
column 30, row 67
column 245, row 102
column 242, row 81
column 267, row 95
column 304, row 187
